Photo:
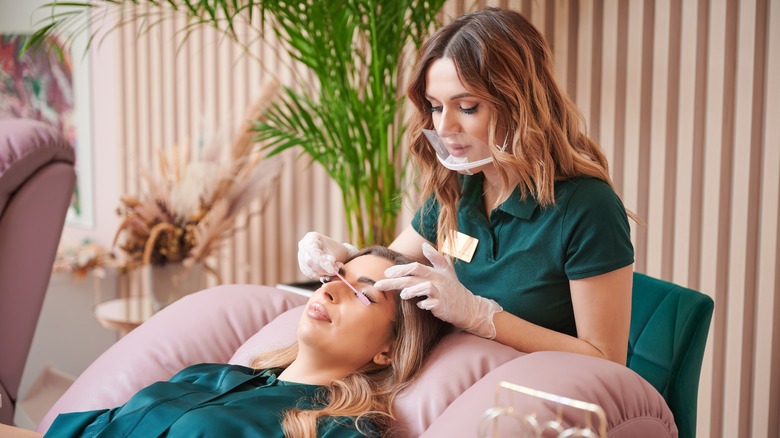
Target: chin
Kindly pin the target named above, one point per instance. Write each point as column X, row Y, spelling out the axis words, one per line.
column 308, row 333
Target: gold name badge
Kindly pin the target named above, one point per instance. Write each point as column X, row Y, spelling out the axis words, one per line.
column 460, row 246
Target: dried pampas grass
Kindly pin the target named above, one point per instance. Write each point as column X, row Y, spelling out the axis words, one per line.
column 194, row 198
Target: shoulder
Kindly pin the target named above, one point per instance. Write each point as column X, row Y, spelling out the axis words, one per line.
column 588, row 195
column 584, row 188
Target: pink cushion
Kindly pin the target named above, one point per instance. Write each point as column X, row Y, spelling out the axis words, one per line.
column 458, row 362
column 632, row 406
column 233, row 323
column 276, row 334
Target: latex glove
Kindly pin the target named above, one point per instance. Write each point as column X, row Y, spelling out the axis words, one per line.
column 319, row 255
column 446, row 298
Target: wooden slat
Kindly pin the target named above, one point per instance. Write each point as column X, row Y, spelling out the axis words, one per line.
column 609, row 85
column 766, row 403
column 658, row 107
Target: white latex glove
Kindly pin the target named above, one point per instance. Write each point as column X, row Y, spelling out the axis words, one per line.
column 319, row 255
column 446, row 298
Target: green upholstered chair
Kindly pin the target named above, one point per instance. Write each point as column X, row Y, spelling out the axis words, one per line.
column 669, row 326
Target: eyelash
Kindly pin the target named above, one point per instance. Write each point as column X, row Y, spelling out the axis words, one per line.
column 368, row 297
column 325, row 280
column 467, row 111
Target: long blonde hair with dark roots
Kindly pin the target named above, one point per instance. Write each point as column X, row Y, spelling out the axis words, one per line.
column 369, row 392
column 502, row 59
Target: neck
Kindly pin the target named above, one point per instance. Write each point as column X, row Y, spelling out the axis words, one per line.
column 308, row 370
column 492, row 184
column 493, row 178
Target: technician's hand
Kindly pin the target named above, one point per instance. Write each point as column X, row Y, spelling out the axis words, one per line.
column 446, row 298
column 319, row 255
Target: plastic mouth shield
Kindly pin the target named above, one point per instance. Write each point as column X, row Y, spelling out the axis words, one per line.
column 459, row 151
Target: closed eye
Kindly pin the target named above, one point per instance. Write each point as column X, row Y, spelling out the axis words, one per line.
column 469, row 111
column 368, row 297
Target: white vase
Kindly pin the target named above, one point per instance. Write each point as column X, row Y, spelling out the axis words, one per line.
column 169, row 282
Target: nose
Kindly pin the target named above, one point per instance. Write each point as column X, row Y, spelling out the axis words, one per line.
column 447, row 122
column 334, row 291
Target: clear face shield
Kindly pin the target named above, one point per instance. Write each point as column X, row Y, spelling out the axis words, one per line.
column 459, row 151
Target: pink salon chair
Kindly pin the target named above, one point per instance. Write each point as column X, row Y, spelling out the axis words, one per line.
column 37, row 177
column 228, row 324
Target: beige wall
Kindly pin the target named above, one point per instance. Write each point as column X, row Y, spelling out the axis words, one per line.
column 678, row 93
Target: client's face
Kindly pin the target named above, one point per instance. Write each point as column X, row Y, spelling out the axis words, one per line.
column 340, row 327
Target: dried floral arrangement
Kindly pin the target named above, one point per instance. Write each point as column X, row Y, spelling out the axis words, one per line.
column 81, row 259
column 194, row 200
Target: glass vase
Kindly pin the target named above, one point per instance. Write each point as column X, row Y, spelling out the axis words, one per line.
column 172, row 281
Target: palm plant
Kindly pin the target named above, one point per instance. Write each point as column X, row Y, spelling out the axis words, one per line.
column 350, row 119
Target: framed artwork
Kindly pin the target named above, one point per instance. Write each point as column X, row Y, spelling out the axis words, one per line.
column 55, row 90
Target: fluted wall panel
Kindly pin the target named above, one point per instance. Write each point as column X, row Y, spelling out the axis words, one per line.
column 681, row 95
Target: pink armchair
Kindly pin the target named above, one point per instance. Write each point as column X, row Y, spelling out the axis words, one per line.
column 36, row 183
column 230, row 323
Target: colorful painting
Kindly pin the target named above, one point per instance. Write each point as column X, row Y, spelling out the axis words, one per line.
column 39, row 85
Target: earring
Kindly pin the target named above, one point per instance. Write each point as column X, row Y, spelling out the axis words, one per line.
column 502, row 148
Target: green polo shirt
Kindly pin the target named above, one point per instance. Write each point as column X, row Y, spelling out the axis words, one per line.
column 527, row 254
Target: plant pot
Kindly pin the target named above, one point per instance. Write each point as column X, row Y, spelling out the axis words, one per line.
column 167, row 283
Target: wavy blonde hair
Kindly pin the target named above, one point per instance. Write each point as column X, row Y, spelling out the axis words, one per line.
column 369, row 392
column 502, row 59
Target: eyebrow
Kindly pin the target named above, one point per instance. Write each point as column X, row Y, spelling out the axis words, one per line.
column 455, row 97
column 366, row 280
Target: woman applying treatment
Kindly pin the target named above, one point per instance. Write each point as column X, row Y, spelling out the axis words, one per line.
column 515, row 192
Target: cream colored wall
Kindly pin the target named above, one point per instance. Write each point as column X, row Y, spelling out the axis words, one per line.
column 679, row 94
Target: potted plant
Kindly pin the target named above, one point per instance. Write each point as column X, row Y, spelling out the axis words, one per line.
column 350, row 120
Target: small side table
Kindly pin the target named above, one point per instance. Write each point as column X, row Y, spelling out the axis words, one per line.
column 124, row 314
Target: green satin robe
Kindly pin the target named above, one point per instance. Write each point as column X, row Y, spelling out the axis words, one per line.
column 205, row 400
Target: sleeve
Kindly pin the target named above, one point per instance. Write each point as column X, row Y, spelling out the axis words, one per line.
column 426, row 218
column 597, row 236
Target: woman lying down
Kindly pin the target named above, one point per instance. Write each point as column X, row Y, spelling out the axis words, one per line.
column 357, row 348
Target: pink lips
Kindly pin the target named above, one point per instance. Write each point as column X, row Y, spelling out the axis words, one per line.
column 457, row 150
column 317, row 311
